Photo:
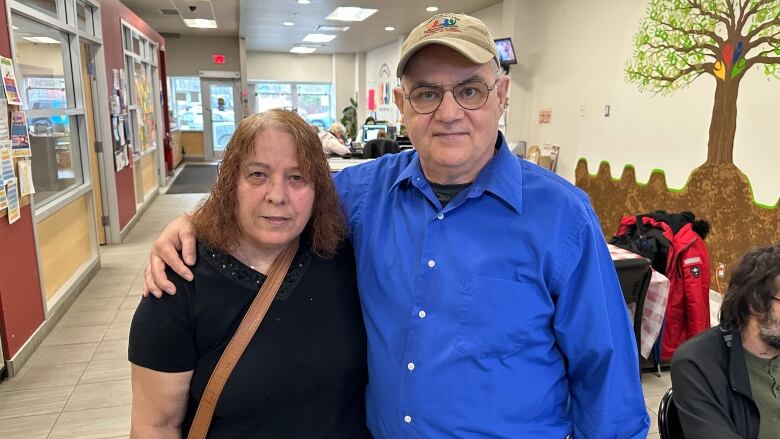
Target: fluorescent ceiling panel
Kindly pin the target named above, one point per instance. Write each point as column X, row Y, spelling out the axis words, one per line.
column 350, row 13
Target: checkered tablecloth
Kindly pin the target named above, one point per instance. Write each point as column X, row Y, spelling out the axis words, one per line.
column 655, row 303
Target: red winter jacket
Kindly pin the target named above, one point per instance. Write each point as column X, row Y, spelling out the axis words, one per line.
column 688, row 270
column 688, row 309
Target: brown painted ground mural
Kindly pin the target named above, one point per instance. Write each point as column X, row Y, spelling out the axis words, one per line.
column 717, row 193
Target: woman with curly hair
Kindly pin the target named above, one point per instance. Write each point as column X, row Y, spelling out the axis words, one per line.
column 303, row 373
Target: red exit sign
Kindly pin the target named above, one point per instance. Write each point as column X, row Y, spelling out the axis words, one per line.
column 219, row 59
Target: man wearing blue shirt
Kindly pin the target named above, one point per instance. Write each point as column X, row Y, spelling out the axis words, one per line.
column 490, row 300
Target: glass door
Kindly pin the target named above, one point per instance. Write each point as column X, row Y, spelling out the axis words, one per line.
column 220, row 114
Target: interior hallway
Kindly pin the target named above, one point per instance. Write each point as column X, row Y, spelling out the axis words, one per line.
column 77, row 383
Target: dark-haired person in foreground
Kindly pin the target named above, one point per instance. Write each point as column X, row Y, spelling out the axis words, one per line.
column 726, row 380
column 491, row 302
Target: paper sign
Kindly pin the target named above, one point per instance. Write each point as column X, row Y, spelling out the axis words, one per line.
column 6, row 163
column 4, row 120
column 26, row 186
column 13, row 202
column 9, row 81
column 3, row 200
column 20, row 138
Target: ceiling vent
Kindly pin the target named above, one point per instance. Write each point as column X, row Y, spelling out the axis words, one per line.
column 169, row 11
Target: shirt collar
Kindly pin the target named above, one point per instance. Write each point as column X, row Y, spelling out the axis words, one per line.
column 502, row 176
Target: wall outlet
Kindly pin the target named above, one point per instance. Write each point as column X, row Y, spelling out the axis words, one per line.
column 720, row 271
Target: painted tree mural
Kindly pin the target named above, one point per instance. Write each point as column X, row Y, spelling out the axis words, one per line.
column 680, row 40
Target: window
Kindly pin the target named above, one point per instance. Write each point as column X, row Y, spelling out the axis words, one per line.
column 48, row 7
column 185, row 103
column 43, row 69
column 84, row 18
column 310, row 100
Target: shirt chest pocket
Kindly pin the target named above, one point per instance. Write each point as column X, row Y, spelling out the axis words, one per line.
column 498, row 317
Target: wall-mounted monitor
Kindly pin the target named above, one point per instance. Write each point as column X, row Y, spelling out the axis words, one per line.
column 506, row 51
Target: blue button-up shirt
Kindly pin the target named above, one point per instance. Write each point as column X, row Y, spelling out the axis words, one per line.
column 497, row 316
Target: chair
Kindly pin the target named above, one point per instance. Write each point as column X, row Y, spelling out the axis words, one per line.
column 634, row 276
column 378, row 147
column 668, row 419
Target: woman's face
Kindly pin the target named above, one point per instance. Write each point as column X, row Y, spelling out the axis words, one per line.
column 274, row 200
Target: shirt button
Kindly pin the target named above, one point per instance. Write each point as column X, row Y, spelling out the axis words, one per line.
column 407, row 419
column 440, row 216
column 421, row 314
column 410, row 366
column 431, row 263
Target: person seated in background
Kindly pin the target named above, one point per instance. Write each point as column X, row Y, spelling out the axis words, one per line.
column 339, row 131
column 380, row 146
column 330, row 144
column 304, row 371
column 370, row 121
column 726, row 380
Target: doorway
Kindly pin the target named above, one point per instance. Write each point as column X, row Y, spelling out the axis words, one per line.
column 88, row 74
column 220, row 114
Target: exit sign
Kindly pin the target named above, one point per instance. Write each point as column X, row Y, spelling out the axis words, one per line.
column 219, row 59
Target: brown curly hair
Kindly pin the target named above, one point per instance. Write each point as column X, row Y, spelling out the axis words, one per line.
column 215, row 221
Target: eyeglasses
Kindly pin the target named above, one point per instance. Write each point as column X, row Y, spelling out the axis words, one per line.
column 470, row 95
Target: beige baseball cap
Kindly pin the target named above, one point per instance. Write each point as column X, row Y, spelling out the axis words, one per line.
column 464, row 33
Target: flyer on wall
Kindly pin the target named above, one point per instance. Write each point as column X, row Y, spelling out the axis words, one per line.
column 3, row 200
column 20, row 138
column 26, row 186
column 6, row 163
column 4, row 120
column 13, row 202
column 9, row 81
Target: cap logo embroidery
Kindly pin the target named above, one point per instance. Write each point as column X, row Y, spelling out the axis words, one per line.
column 442, row 25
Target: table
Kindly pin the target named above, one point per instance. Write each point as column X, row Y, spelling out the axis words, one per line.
column 655, row 302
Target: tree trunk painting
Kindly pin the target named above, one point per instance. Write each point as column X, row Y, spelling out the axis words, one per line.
column 723, row 125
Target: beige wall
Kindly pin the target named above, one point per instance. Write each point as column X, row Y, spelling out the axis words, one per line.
column 185, row 56
column 270, row 66
column 344, row 83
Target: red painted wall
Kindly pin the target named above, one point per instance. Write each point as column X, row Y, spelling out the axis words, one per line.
column 21, row 302
column 112, row 12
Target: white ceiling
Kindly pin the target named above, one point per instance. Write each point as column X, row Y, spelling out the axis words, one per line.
column 260, row 21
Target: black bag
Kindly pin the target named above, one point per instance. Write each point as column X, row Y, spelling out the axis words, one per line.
column 645, row 240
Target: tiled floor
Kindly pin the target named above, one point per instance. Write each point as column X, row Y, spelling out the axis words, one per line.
column 77, row 384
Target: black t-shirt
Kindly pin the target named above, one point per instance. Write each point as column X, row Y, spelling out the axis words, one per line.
column 304, row 373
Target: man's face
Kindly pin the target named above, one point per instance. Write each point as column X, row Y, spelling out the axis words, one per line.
column 769, row 324
column 454, row 144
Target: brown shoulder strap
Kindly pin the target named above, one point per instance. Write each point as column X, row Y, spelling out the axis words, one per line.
column 246, row 330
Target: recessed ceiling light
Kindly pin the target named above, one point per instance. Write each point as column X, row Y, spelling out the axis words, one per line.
column 302, row 49
column 304, row 2
column 350, row 13
column 318, row 38
column 389, row 28
column 431, row 9
column 44, row 40
column 326, row 28
column 200, row 22
column 288, row 23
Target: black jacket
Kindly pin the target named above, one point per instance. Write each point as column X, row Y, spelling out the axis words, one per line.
column 712, row 387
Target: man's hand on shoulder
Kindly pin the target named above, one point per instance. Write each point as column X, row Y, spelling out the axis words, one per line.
column 177, row 235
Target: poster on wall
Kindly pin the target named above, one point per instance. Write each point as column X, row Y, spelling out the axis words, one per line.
column 13, row 202
column 3, row 199
column 26, row 186
column 6, row 163
column 20, row 138
column 4, row 134
column 9, row 81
